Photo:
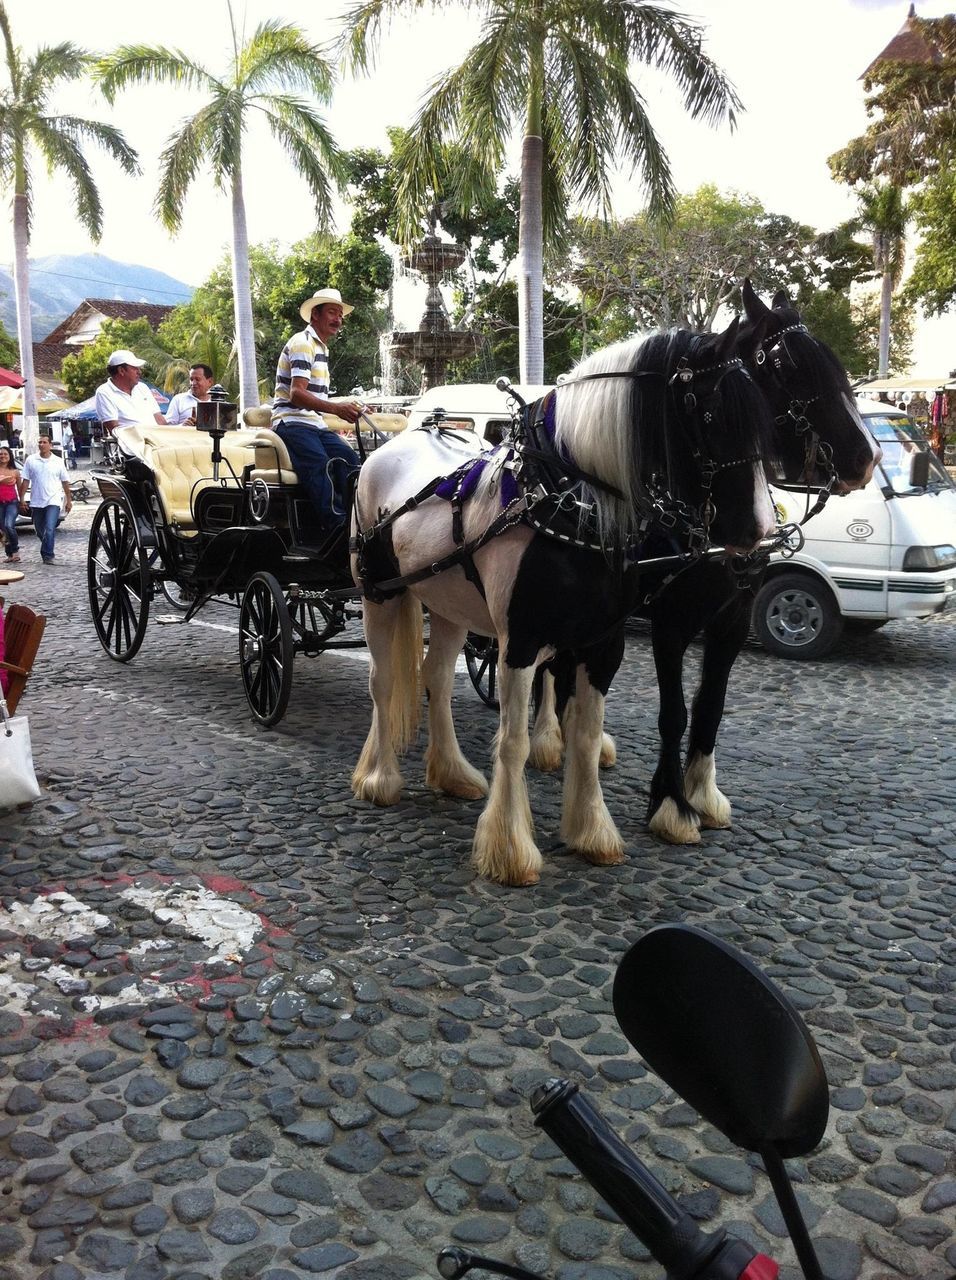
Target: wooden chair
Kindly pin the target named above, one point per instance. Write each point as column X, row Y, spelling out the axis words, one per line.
column 23, row 631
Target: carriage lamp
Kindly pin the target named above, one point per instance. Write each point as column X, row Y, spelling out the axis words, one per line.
column 218, row 414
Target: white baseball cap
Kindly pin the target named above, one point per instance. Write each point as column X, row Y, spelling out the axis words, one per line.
column 320, row 299
column 124, row 357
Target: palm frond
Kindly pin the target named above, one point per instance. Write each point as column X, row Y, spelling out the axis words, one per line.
column 314, row 155
column 60, row 148
column 142, row 64
column 362, row 27
column 179, row 163
column 49, row 65
column 105, row 136
column 280, row 54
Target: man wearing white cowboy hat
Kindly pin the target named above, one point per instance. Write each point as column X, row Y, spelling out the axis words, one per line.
column 322, row 460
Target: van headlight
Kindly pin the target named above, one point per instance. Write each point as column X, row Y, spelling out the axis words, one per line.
column 943, row 557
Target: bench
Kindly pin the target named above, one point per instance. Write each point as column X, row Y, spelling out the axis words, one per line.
column 272, row 461
column 22, row 633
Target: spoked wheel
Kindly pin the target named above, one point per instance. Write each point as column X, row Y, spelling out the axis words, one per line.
column 481, row 659
column 266, row 650
column 314, row 622
column 179, row 597
column 117, row 577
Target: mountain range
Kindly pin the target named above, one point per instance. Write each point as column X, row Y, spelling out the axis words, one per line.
column 59, row 283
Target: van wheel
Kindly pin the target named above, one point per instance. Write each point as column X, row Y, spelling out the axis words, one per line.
column 796, row 616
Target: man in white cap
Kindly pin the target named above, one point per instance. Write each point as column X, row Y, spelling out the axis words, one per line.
column 122, row 400
column 322, row 460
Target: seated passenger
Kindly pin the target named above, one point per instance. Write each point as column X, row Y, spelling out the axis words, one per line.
column 122, row 400
column 322, row 460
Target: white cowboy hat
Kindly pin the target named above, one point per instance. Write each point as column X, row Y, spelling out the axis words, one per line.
column 320, row 299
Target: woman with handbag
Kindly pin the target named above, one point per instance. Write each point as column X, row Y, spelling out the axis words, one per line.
column 9, row 503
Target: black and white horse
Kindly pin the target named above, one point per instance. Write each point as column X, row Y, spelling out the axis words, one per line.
column 670, row 429
column 820, row 442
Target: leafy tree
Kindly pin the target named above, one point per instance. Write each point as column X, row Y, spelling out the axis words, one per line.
column 635, row 275
column 28, row 125
column 9, row 351
column 264, row 77
column 360, row 269
column 494, row 313
column 561, row 72
column 82, row 373
column 909, row 143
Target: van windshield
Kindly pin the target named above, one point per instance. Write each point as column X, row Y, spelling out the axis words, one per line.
column 900, row 438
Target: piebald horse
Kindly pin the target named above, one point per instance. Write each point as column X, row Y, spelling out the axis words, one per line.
column 672, row 429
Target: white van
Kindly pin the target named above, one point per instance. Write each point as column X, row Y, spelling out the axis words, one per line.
column 886, row 551
column 473, row 406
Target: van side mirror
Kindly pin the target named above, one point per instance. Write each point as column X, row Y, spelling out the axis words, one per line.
column 919, row 470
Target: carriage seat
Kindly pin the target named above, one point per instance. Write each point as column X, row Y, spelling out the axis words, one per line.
column 180, row 459
column 272, row 462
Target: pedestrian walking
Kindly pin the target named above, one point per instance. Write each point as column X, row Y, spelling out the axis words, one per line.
column 44, row 475
column 9, row 503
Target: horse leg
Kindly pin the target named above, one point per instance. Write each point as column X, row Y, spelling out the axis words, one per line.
column 393, row 631
column 548, row 733
column 723, row 640
column 586, row 825
column 504, row 847
column 669, row 815
column 446, row 768
column 547, row 745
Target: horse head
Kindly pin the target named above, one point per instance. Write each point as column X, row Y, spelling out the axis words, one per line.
column 706, row 433
column 820, row 439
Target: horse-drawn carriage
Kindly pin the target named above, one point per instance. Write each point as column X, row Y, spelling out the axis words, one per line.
column 217, row 514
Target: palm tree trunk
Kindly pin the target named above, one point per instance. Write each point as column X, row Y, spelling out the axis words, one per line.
column 530, row 264
column 242, row 299
column 886, row 305
column 21, row 279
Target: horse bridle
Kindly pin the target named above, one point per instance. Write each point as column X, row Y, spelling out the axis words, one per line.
column 664, row 508
column 817, row 453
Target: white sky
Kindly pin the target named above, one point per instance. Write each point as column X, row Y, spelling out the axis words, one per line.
column 796, row 66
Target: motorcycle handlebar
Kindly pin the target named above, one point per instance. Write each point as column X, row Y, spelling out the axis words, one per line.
column 635, row 1195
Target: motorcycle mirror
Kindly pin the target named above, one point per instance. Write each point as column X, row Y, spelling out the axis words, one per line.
column 719, row 1032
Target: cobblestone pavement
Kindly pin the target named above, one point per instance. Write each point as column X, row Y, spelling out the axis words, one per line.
column 327, row 1073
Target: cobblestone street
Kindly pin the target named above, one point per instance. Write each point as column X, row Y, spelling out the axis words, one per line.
column 251, row 1028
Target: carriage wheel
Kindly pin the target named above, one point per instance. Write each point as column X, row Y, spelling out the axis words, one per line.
column 314, row 622
column 179, row 597
column 481, row 659
column 118, row 581
column 266, row 650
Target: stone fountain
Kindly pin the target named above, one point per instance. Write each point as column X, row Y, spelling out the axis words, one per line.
column 434, row 343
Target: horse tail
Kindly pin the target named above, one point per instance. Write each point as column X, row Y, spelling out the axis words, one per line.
column 405, row 695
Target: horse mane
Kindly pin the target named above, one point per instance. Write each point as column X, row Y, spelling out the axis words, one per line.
column 625, row 431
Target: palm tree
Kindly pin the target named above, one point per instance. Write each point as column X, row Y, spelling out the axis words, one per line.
column 26, row 127
column 265, row 76
column 884, row 213
column 559, row 69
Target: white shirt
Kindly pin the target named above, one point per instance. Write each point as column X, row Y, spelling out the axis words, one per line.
column 180, row 408
column 125, row 408
column 46, row 476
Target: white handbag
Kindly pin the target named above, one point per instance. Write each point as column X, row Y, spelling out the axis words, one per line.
column 18, row 780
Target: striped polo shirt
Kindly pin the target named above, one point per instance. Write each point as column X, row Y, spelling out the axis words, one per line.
column 305, row 355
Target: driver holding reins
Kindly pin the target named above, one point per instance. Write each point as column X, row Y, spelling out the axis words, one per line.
column 322, row 460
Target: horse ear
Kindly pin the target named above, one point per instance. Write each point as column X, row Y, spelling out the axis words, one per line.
column 781, row 299
column 753, row 334
column 754, row 307
column 728, row 340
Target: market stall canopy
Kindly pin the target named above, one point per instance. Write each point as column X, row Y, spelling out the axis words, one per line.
column 86, row 410
column 919, row 382
column 8, row 378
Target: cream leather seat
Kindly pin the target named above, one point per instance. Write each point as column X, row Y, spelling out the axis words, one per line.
column 180, row 459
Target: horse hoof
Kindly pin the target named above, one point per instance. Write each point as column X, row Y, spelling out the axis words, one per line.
column 710, row 823
column 378, row 790
column 545, row 759
column 602, row 857
column 669, row 824
column 608, row 756
column 465, row 790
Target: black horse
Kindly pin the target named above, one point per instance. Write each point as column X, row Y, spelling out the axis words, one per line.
column 820, row 443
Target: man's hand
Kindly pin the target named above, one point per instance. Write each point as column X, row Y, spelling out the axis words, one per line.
column 349, row 408
column 69, row 505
